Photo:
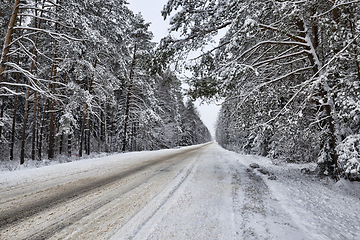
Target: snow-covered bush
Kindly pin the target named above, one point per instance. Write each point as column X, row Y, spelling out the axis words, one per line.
column 349, row 157
column 67, row 123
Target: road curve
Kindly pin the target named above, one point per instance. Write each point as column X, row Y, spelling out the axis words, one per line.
column 111, row 195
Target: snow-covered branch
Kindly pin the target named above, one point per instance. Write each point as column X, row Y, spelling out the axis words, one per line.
column 289, row 43
column 28, row 75
column 313, row 78
column 281, row 57
column 335, row 7
column 296, row 38
column 18, row 85
column 210, row 51
column 53, row 34
column 202, row 33
column 271, row 82
column 45, row 19
column 31, row 7
column 11, row 92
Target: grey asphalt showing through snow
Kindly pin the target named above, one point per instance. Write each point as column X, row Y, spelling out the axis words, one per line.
column 80, row 189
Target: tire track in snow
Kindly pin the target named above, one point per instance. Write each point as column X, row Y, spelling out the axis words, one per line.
column 142, row 224
column 76, row 190
column 259, row 214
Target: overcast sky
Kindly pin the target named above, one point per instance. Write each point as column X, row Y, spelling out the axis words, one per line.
column 151, row 11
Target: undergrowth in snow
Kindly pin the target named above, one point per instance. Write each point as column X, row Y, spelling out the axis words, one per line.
column 349, row 157
column 321, row 206
column 6, row 166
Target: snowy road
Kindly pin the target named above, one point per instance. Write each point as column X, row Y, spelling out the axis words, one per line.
column 198, row 192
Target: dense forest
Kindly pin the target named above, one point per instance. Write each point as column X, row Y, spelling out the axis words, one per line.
column 85, row 73
column 288, row 73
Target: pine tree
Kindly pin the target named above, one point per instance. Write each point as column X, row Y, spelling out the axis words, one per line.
column 64, row 77
column 277, row 63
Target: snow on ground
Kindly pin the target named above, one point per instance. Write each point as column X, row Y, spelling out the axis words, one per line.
column 216, row 195
column 12, row 174
column 227, row 199
column 224, row 200
column 321, row 208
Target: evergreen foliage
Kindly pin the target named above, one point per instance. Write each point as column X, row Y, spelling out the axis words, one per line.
column 287, row 71
column 84, row 71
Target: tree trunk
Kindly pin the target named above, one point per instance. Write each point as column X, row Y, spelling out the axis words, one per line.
column 315, row 30
column 3, row 99
column 52, row 130
column 37, row 129
column 32, row 67
column 23, row 134
column 328, row 104
column 105, row 129
column 82, row 134
column 69, row 144
column 127, row 104
column 88, row 135
column 99, row 131
column 61, row 143
column 6, row 49
column 335, row 13
column 352, row 27
column 85, row 133
column 13, row 127
column 34, row 127
column 8, row 37
column 41, row 135
column 52, row 125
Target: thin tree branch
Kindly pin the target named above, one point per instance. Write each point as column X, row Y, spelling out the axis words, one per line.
column 12, row 93
column 273, row 81
column 296, row 38
column 303, row 85
column 60, row 35
column 210, row 51
column 334, row 7
column 45, row 19
column 281, row 57
column 306, row 46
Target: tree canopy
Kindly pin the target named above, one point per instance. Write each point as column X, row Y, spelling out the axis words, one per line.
column 83, row 72
column 287, row 71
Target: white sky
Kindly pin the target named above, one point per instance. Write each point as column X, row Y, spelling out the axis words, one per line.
column 151, row 11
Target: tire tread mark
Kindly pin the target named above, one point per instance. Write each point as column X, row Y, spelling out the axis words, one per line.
column 15, row 215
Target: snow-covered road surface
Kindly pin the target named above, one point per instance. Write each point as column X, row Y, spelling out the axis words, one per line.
column 198, row 192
